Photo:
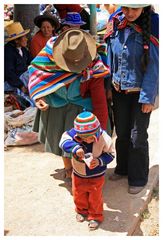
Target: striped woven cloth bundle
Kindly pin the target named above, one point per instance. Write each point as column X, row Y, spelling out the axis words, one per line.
column 45, row 77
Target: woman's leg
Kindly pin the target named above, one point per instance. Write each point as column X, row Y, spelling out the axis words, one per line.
column 121, row 111
column 138, row 162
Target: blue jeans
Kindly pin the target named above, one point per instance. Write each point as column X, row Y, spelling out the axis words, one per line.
column 131, row 126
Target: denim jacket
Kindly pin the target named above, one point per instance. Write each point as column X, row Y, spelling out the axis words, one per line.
column 125, row 49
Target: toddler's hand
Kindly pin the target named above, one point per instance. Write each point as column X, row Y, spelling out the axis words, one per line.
column 94, row 163
column 80, row 153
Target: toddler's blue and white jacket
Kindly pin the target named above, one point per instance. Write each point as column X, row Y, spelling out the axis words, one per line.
column 101, row 150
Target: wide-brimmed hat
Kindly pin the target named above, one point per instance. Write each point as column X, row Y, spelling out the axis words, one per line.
column 47, row 17
column 73, row 18
column 135, row 5
column 74, row 50
column 14, row 31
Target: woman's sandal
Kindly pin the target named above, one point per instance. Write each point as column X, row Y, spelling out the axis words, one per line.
column 80, row 217
column 93, row 225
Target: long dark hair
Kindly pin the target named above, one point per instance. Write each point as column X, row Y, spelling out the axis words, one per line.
column 144, row 21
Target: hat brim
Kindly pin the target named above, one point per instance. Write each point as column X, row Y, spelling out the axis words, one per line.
column 80, row 65
column 53, row 20
column 134, row 5
column 25, row 32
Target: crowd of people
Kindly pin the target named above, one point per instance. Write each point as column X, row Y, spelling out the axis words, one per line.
column 8, row 12
column 71, row 79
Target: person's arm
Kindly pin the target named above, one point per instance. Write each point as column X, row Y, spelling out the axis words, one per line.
column 151, row 77
column 67, row 143
column 99, row 102
column 42, row 8
column 9, row 64
column 108, row 150
column 46, row 9
column 108, row 79
column 149, row 88
column 94, row 88
column 105, row 159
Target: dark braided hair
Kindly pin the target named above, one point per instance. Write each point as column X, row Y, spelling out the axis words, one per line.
column 144, row 21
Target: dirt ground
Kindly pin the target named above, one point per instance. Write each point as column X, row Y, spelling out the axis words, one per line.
column 27, row 163
column 27, row 213
column 149, row 225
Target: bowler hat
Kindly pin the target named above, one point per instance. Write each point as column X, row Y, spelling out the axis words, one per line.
column 73, row 18
column 46, row 17
column 74, row 50
column 14, row 31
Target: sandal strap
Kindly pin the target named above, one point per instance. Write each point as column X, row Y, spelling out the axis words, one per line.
column 80, row 217
column 93, row 224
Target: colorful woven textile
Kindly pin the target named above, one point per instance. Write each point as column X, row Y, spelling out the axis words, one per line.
column 45, row 77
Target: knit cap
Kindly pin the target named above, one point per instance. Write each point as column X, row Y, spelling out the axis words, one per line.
column 87, row 124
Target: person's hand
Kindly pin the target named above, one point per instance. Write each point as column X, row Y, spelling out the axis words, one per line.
column 80, row 153
column 116, row 87
column 48, row 7
column 94, row 163
column 41, row 104
column 147, row 108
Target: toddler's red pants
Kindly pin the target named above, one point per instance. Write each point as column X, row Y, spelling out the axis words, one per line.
column 87, row 194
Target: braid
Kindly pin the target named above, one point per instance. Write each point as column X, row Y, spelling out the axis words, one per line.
column 146, row 31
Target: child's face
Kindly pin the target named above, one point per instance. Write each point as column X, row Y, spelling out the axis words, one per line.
column 88, row 139
column 132, row 13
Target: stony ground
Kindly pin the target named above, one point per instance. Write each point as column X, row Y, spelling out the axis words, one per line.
column 149, row 225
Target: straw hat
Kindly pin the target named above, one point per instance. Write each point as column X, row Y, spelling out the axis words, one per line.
column 74, row 50
column 47, row 17
column 14, row 31
column 135, row 5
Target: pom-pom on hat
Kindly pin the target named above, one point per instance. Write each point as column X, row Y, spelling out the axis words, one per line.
column 87, row 124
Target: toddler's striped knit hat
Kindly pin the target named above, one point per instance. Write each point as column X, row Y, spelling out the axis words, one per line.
column 87, row 124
